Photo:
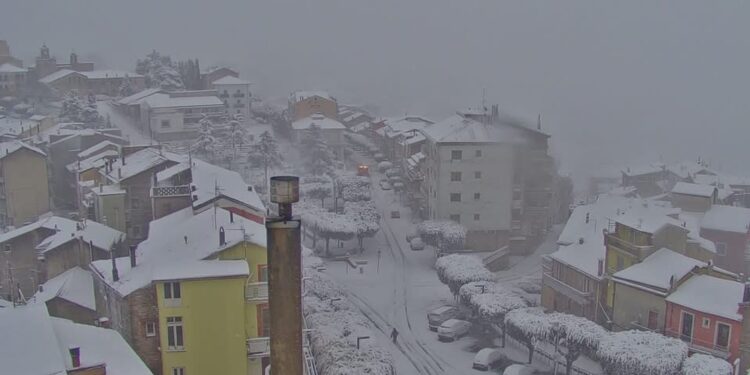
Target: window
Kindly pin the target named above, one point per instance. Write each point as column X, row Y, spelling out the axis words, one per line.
column 178, row 371
column 174, row 333
column 172, row 294
column 620, row 262
column 456, row 218
column 150, row 329
column 721, row 249
column 476, row 217
column 477, row 196
column 477, row 175
column 478, row 153
column 705, row 323
column 165, row 124
column 264, row 326
column 653, row 319
column 723, row 331
column 456, row 154
column 455, row 197
column 455, row 176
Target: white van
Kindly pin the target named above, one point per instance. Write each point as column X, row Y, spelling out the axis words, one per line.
column 453, row 329
column 487, row 359
column 437, row 316
column 519, row 370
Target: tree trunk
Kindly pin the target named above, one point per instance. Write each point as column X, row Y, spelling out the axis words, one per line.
column 361, row 244
column 328, row 240
column 502, row 326
column 531, row 351
column 570, row 357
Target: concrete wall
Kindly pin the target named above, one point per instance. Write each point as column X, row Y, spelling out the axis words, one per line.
column 111, row 207
column 26, row 186
column 736, row 245
column 633, row 305
column 61, row 308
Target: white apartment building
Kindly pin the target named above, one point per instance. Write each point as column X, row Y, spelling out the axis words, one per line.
column 475, row 174
column 176, row 115
column 235, row 93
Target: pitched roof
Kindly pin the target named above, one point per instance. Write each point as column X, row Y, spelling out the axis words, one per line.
column 658, row 269
column 75, row 285
column 459, row 129
column 95, row 149
column 139, row 96
column 710, row 295
column 65, row 230
column 57, row 75
column 230, row 80
column 166, row 245
column 10, row 68
column 317, row 120
column 163, row 100
column 687, row 188
column 207, row 178
column 139, row 162
column 7, row 148
column 32, row 332
column 727, row 218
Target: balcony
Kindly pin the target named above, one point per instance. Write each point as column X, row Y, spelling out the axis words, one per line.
column 259, row 347
column 638, row 251
column 700, row 346
column 170, row 191
column 583, row 298
column 257, row 291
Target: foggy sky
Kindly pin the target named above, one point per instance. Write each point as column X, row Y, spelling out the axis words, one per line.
column 616, row 82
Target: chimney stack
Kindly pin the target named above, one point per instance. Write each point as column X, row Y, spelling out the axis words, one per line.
column 115, row 274
column 231, row 217
column 222, row 237
column 132, row 256
column 600, row 269
column 75, row 356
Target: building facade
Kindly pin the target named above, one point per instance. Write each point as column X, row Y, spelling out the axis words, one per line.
column 235, row 93
column 176, row 115
column 307, row 103
column 24, row 187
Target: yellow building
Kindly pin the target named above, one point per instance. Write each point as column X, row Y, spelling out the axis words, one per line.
column 24, row 186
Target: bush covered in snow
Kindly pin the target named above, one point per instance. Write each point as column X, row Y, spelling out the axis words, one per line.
column 330, row 226
column 455, row 270
column 384, row 166
column 445, row 235
column 701, row 364
column 641, row 353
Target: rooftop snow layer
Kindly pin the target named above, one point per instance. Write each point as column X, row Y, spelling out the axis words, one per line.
column 230, row 80
column 161, row 100
column 727, row 218
column 141, row 161
column 34, row 348
column 95, row 149
column 95, row 161
column 75, row 285
column 56, row 75
column 693, row 189
column 102, row 236
column 101, row 74
column 710, row 295
column 10, row 68
column 301, row 95
column 139, row 96
column 202, row 269
column 318, row 120
column 208, row 177
column 461, row 129
column 7, row 148
column 659, row 268
column 166, row 244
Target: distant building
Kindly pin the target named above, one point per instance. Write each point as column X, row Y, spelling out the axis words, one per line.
column 69, row 295
column 6, row 57
column 94, row 82
column 392, row 134
column 44, row 345
column 307, row 103
column 47, row 64
column 729, row 229
column 213, row 74
column 330, row 130
column 235, row 93
column 24, row 187
column 12, row 79
column 176, row 115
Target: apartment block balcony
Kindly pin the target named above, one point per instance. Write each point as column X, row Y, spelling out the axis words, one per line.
column 170, row 191
column 257, row 291
column 638, row 251
column 258, row 347
column 583, row 298
column 700, row 346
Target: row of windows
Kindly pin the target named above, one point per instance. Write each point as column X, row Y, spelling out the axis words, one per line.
column 457, row 217
column 456, row 197
column 457, row 176
column 459, row 154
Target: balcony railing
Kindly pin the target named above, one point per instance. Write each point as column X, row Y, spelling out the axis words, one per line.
column 639, row 251
column 259, row 347
column 700, row 346
column 170, row 191
column 257, row 291
column 561, row 287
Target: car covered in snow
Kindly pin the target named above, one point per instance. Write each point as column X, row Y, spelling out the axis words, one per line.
column 416, row 244
column 519, row 370
column 439, row 315
column 395, row 214
column 453, row 329
column 488, row 359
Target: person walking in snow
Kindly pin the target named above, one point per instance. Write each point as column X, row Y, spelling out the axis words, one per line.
column 394, row 335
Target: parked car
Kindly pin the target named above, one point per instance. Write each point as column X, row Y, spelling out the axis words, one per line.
column 440, row 315
column 519, row 370
column 488, row 359
column 416, row 244
column 395, row 214
column 411, row 235
column 453, row 329
column 385, row 185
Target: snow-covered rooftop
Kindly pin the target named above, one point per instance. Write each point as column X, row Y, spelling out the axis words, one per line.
column 97, row 148
column 10, row 68
column 659, row 268
column 687, row 188
column 32, row 332
column 318, row 120
column 202, row 269
column 462, row 129
column 141, row 161
column 56, row 75
column 7, row 148
column 398, row 125
column 688, row 169
column 208, row 177
column 644, row 169
column 301, row 95
column 74, row 285
column 167, row 244
column 101, row 74
column 162, row 100
column 710, row 295
column 230, row 80
column 94, row 161
column 139, row 96
column 727, row 218
column 102, row 236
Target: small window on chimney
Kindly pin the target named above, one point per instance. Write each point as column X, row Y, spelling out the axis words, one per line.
column 150, row 329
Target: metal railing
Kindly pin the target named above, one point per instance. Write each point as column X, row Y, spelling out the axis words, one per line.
column 257, row 291
column 170, row 191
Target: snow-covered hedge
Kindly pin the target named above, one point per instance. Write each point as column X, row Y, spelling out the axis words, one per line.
column 384, row 166
column 641, row 353
column 701, row 364
column 446, row 235
column 354, row 188
column 455, row 270
column 490, row 301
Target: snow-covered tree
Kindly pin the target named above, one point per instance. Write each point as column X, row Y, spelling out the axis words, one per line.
column 265, row 152
column 160, row 72
column 528, row 325
column 445, row 235
column 490, row 302
column 353, row 188
column 578, row 335
column 319, row 159
column 641, row 353
column 317, row 190
column 206, row 141
column 455, row 270
column 366, row 219
column 702, row 364
column 126, row 87
column 72, row 108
